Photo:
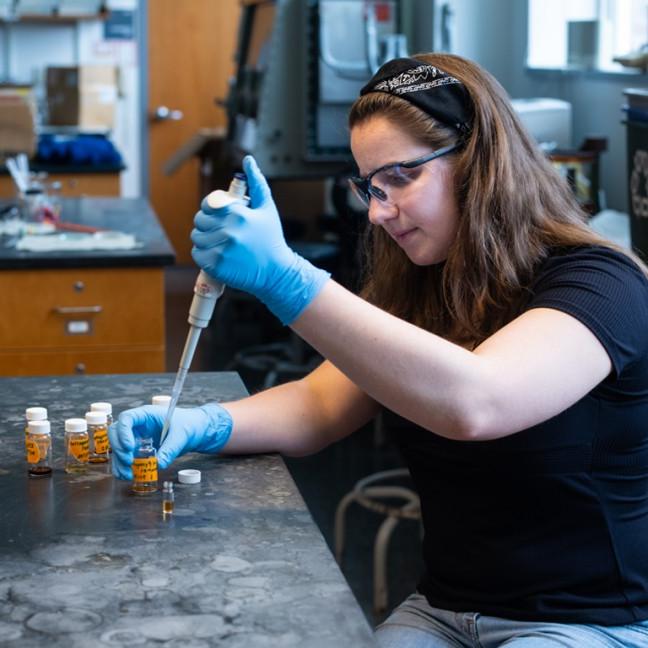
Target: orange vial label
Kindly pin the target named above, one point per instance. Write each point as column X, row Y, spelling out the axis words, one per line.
column 79, row 448
column 33, row 455
column 101, row 443
column 145, row 470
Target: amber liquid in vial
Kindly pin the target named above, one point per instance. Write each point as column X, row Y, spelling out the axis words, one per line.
column 76, row 455
column 39, row 455
column 40, row 471
column 39, row 449
column 168, row 498
column 145, row 474
column 99, row 445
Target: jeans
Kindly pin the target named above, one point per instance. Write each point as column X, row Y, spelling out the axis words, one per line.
column 415, row 624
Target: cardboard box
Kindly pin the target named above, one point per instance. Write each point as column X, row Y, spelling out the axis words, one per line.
column 82, row 95
column 17, row 122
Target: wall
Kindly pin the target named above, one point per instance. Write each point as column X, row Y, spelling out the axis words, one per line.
column 596, row 100
column 26, row 49
column 493, row 32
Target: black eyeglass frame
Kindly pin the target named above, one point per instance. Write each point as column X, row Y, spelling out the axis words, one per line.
column 366, row 189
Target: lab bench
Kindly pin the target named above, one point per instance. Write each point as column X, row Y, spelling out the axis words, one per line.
column 93, row 311
column 83, row 562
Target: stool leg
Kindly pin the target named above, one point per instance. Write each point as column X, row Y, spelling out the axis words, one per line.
column 340, row 524
column 381, row 545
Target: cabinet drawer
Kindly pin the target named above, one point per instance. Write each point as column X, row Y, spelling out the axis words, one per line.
column 87, row 184
column 81, row 308
column 60, row 362
column 80, row 184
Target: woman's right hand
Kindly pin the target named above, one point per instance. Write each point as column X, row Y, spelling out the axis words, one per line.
column 199, row 429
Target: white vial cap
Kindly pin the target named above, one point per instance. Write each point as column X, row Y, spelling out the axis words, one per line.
column 39, row 427
column 96, row 418
column 76, row 425
column 189, row 476
column 101, row 407
column 36, row 413
column 161, row 399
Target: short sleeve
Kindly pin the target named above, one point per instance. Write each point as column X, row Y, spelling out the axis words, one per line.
column 606, row 291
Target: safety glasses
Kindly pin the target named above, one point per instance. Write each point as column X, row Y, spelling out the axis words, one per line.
column 389, row 182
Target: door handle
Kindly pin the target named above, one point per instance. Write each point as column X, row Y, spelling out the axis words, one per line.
column 164, row 113
column 77, row 310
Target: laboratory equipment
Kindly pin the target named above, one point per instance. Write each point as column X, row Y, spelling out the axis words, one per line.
column 300, row 65
column 77, row 447
column 98, row 436
column 33, row 414
column 206, row 293
column 548, row 120
column 168, row 498
column 39, row 449
column 145, row 467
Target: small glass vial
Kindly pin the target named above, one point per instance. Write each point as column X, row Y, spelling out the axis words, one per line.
column 39, row 449
column 33, row 414
column 97, row 437
column 104, row 407
column 168, row 498
column 161, row 399
column 145, row 473
column 77, row 446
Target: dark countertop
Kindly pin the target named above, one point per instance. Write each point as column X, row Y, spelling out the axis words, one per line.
column 77, row 169
column 85, row 563
column 130, row 215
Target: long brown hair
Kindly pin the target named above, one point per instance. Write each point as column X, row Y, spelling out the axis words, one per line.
column 513, row 205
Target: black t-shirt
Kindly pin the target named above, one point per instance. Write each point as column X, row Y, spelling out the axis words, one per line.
column 551, row 523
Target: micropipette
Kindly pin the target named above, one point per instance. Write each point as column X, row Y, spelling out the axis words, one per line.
column 206, row 293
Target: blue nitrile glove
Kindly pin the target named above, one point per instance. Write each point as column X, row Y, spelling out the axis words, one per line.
column 199, row 429
column 244, row 248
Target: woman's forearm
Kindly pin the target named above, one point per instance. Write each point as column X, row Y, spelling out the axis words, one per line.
column 533, row 368
column 300, row 417
column 407, row 369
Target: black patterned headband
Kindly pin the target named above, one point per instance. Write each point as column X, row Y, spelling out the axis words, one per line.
column 427, row 87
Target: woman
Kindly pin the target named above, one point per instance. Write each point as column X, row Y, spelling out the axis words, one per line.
column 495, row 320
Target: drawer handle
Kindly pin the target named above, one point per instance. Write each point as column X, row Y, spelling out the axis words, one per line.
column 77, row 310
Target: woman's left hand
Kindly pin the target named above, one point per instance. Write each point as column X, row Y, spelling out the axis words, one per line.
column 244, row 248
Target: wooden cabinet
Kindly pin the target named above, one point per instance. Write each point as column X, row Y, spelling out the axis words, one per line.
column 87, row 320
column 73, row 184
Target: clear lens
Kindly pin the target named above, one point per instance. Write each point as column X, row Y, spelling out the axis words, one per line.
column 396, row 177
column 390, row 185
column 359, row 193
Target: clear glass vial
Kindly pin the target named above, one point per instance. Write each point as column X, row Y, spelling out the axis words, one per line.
column 168, row 498
column 97, row 437
column 33, row 414
column 39, row 449
column 77, row 446
column 104, row 406
column 145, row 472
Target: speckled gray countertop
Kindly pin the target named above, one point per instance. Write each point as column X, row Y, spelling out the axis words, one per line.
column 85, row 563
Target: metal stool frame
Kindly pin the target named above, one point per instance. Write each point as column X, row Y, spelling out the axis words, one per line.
column 369, row 496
